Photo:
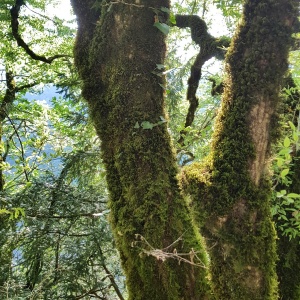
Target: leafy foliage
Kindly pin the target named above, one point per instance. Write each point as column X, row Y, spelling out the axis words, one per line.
column 286, row 202
column 63, row 244
column 55, row 238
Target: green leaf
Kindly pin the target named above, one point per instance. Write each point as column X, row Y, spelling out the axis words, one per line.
column 281, row 193
column 164, row 28
column 295, row 136
column 147, row 125
column 4, row 211
column 289, row 200
column 293, row 195
column 280, row 162
column 137, row 125
column 16, row 213
column 157, row 73
column 284, row 151
column 172, row 19
column 160, row 66
column 292, row 126
column 284, row 172
column 283, row 217
column 286, row 142
column 165, row 9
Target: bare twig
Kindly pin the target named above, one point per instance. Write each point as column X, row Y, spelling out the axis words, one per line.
column 125, row 3
column 89, row 215
column 41, row 15
column 163, row 255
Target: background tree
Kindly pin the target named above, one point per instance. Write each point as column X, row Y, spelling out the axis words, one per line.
column 60, row 247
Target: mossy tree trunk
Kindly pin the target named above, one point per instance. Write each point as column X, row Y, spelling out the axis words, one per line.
column 6, row 254
column 117, row 49
column 232, row 188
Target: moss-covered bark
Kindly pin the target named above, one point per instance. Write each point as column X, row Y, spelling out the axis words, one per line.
column 116, row 51
column 232, row 188
column 6, row 251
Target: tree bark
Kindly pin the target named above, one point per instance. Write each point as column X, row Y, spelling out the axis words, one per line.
column 232, row 187
column 117, row 49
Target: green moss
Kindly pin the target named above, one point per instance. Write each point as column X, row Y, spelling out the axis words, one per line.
column 233, row 188
column 145, row 199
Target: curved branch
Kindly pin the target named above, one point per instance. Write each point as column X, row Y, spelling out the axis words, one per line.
column 8, row 99
column 209, row 47
column 110, row 275
column 26, row 86
column 14, row 11
column 9, row 96
column 216, row 89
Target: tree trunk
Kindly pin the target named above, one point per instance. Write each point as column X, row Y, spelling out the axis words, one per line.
column 6, row 254
column 117, row 49
column 232, row 188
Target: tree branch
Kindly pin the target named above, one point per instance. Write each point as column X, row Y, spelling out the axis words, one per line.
column 14, row 11
column 8, row 99
column 91, row 292
column 88, row 215
column 8, row 140
column 209, row 47
column 110, row 276
column 9, row 96
column 26, row 86
column 21, row 145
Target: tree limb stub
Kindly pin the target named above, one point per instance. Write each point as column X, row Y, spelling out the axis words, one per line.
column 14, row 11
column 209, row 47
column 9, row 94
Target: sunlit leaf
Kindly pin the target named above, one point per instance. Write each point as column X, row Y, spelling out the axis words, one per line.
column 164, row 28
column 284, row 172
column 147, row 125
column 286, row 142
